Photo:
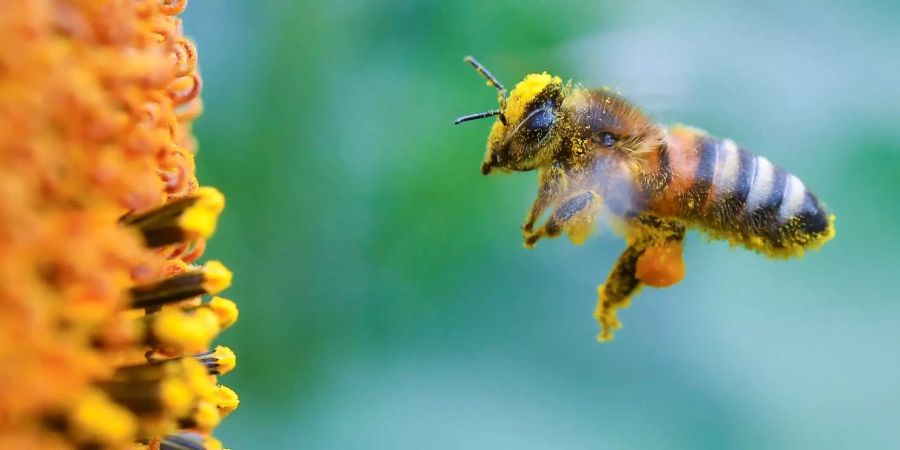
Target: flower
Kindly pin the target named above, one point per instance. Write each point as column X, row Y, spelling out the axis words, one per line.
column 104, row 334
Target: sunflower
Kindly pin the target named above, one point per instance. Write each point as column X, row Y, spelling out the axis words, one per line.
column 106, row 320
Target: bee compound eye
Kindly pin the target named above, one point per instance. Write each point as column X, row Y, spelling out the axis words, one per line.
column 540, row 122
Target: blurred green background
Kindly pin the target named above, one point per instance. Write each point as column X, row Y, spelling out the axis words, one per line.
column 386, row 299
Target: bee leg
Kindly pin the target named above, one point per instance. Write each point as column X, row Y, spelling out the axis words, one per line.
column 621, row 284
column 574, row 216
column 553, row 181
column 653, row 257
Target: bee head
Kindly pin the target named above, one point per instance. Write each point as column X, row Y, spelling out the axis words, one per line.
column 525, row 121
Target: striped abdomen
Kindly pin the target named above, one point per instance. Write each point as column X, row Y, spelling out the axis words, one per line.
column 734, row 194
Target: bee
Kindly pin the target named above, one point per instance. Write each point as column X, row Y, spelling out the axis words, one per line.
column 591, row 147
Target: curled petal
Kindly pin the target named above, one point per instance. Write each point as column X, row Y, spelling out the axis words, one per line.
column 172, row 7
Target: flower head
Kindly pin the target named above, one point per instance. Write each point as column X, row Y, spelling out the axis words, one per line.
column 104, row 332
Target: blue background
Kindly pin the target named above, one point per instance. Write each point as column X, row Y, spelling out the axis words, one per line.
column 386, row 299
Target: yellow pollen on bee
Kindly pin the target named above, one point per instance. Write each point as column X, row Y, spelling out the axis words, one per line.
column 524, row 92
column 661, row 266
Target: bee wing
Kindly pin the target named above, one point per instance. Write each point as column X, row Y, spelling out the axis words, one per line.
column 659, row 83
column 612, row 180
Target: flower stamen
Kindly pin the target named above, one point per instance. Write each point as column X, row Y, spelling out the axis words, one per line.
column 185, row 219
column 211, row 279
column 189, row 441
column 219, row 361
column 98, row 98
column 226, row 399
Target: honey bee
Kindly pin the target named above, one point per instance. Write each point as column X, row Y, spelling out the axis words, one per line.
column 592, row 147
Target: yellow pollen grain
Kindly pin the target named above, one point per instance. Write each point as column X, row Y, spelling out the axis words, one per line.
column 176, row 396
column 225, row 309
column 207, row 415
column 198, row 378
column 200, row 218
column 227, row 400
column 225, row 358
column 525, row 91
column 497, row 128
column 98, row 419
column 212, row 444
column 216, row 277
column 190, row 331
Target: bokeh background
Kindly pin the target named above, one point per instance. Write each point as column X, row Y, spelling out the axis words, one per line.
column 386, row 299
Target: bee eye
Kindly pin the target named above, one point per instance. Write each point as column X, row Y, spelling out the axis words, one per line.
column 607, row 139
column 540, row 121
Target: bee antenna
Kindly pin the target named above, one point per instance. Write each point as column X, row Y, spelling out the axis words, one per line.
column 487, row 75
column 481, row 115
column 492, row 81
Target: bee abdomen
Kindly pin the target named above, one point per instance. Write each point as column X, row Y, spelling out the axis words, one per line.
column 767, row 207
column 737, row 195
column 767, row 183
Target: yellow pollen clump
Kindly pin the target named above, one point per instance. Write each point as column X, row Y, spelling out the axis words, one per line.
column 200, row 218
column 661, row 266
column 95, row 418
column 226, row 400
column 525, row 91
column 216, row 277
column 198, row 378
column 187, row 331
column 225, row 309
column 177, row 396
column 207, row 415
column 225, row 358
